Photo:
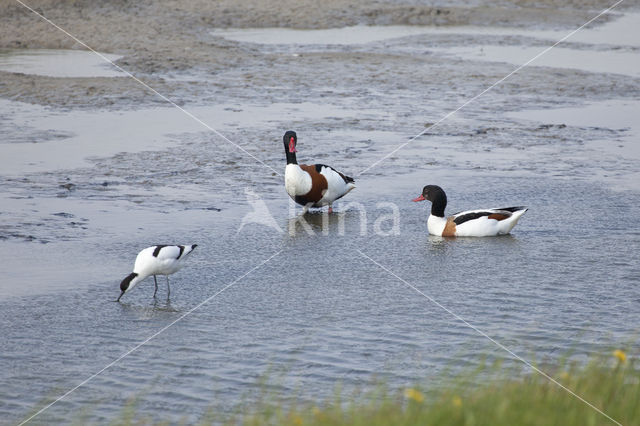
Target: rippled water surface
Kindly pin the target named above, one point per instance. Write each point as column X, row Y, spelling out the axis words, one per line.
column 341, row 302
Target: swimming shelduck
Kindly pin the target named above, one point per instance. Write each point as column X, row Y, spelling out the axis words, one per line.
column 316, row 185
column 470, row 223
column 156, row 260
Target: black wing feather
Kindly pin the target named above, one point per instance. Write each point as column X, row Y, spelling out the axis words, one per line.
column 474, row 215
column 470, row 216
column 513, row 209
column 347, row 179
column 156, row 251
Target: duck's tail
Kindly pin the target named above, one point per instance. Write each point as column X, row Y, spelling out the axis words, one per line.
column 514, row 209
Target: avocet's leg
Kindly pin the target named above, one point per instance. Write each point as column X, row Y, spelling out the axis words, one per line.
column 330, row 209
column 156, row 283
column 168, row 288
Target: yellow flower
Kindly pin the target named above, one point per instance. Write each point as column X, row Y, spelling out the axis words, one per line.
column 296, row 420
column 457, row 401
column 414, row 394
column 564, row 375
column 622, row 357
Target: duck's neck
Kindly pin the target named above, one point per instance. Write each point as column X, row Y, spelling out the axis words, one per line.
column 291, row 157
column 438, row 205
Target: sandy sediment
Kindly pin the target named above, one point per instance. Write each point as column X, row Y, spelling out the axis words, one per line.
column 157, row 37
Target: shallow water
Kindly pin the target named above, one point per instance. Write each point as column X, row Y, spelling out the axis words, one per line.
column 360, row 34
column 94, row 134
column 620, row 31
column 59, row 63
column 627, row 63
column 320, row 313
column 87, row 189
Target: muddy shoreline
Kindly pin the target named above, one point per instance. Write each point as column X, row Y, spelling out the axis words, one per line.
column 374, row 95
column 177, row 38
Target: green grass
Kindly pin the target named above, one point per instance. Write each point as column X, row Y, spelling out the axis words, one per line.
column 495, row 395
column 612, row 385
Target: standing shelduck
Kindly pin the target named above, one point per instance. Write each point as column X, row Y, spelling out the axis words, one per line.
column 316, row 185
column 470, row 223
column 156, row 260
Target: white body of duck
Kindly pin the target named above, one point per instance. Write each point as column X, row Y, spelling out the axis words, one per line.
column 314, row 185
column 156, row 260
column 470, row 223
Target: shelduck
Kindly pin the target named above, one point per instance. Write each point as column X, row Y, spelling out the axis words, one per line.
column 315, row 185
column 470, row 223
column 156, row 260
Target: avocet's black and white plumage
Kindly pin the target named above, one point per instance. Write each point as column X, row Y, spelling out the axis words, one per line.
column 156, row 260
column 470, row 223
column 315, row 185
